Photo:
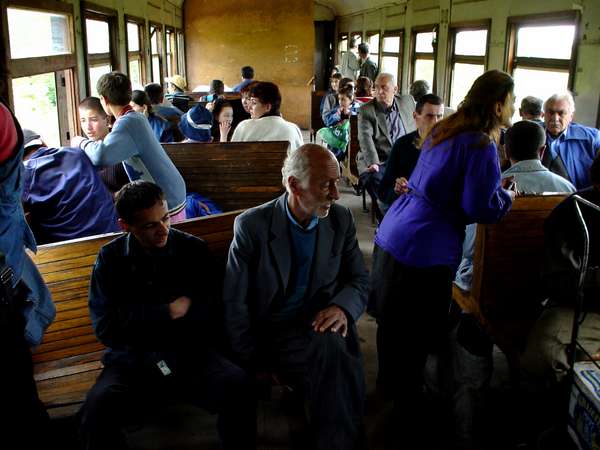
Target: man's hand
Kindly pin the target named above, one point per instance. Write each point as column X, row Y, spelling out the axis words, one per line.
column 76, row 141
column 401, row 186
column 333, row 318
column 179, row 307
column 373, row 168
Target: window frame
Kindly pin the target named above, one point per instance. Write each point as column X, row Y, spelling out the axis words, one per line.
column 170, row 34
column 368, row 35
column 556, row 65
column 180, row 40
column 340, row 38
column 400, row 55
column 414, row 55
column 453, row 59
column 101, row 13
column 157, row 26
column 140, row 55
column 64, row 67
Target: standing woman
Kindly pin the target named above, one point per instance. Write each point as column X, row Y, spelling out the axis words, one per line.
column 419, row 242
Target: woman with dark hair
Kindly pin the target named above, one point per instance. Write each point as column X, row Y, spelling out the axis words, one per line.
column 245, row 93
column 364, row 89
column 222, row 121
column 140, row 102
column 266, row 123
column 419, row 243
column 216, row 90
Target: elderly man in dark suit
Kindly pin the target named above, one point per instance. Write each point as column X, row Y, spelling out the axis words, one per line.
column 295, row 286
column 380, row 123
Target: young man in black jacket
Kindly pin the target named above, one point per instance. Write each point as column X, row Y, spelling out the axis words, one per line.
column 150, row 304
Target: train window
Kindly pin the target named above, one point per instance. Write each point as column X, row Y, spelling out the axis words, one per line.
column 51, row 37
column 42, row 66
column 342, row 46
column 36, row 107
column 135, row 52
column 391, row 55
column 467, row 61
column 423, row 46
column 101, row 44
column 540, row 69
column 373, row 41
column 180, row 52
column 171, row 51
column 156, row 53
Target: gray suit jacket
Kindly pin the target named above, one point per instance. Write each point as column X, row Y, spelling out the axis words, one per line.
column 373, row 134
column 259, row 264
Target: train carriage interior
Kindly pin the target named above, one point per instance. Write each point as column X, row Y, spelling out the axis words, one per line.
column 56, row 51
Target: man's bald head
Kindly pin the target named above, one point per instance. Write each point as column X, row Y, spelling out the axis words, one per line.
column 300, row 163
column 385, row 89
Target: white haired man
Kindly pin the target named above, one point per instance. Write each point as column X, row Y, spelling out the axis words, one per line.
column 571, row 147
column 295, row 286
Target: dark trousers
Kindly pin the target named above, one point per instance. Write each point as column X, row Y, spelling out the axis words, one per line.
column 326, row 369
column 411, row 306
column 25, row 423
column 214, row 383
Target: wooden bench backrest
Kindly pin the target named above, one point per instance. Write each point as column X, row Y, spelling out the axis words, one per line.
column 236, row 175
column 507, row 263
column 68, row 360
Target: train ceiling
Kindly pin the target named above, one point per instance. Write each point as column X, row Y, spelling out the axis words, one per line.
column 345, row 7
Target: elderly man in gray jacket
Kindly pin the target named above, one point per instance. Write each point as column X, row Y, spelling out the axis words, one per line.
column 295, row 286
column 380, row 123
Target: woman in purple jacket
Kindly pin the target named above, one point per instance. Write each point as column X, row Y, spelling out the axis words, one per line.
column 419, row 242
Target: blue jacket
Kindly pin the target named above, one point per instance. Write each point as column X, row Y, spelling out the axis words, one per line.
column 65, row 197
column 577, row 148
column 15, row 236
column 133, row 142
column 130, row 292
column 455, row 183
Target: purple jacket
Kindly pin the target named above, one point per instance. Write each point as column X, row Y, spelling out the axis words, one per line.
column 455, row 183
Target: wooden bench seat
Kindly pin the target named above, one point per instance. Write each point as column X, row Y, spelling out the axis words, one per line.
column 236, row 175
column 506, row 290
column 67, row 362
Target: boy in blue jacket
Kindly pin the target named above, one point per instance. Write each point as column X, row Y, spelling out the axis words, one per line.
column 133, row 143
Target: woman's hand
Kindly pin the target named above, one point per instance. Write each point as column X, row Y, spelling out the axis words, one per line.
column 224, row 128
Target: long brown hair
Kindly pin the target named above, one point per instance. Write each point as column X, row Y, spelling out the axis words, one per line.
column 477, row 111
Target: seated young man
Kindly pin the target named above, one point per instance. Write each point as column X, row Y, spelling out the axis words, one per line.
column 95, row 125
column 132, row 142
column 63, row 193
column 524, row 143
column 151, row 305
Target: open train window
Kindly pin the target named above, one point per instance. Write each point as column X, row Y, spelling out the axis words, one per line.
column 540, row 69
column 468, row 59
column 42, row 81
column 136, row 62
column 180, row 52
column 101, row 40
column 156, row 52
column 391, row 54
column 171, row 51
column 423, row 53
column 373, row 41
column 342, row 46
